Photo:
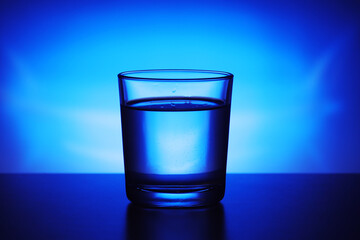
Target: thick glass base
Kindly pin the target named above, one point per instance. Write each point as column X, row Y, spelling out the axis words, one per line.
column 175, row 196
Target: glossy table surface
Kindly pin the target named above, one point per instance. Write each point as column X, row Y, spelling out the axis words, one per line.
column 256, row 206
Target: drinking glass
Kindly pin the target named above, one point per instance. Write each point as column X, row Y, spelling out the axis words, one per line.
column 175, row 127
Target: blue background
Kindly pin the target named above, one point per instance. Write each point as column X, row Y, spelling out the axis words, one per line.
column 296, row 90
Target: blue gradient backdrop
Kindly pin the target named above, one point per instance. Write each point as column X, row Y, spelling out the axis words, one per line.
column 296, row 89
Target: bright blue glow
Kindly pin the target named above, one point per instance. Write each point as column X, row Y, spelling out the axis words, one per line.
column 177, row 196
column 59, row 96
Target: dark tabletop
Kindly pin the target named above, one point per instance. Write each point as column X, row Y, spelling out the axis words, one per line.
column 256, row 206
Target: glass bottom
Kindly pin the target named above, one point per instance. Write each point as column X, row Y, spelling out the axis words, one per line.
column 175, row 196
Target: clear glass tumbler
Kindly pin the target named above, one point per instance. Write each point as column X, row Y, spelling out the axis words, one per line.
column 175, row 126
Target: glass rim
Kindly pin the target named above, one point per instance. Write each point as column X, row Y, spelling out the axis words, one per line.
column 218, row 75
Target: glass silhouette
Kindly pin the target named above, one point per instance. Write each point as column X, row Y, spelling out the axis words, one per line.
column 175, row 126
